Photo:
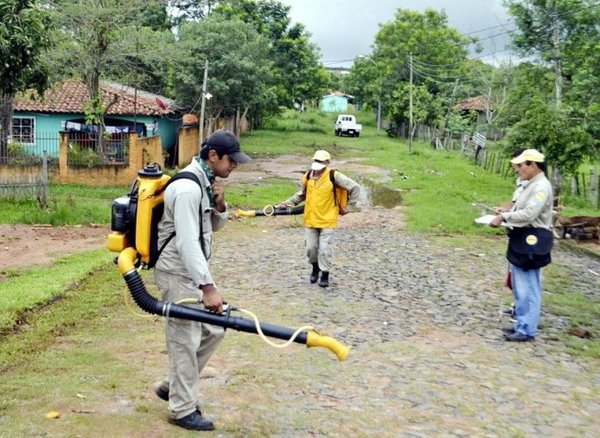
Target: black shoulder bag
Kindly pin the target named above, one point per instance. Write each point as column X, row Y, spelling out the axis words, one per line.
column 529, row 247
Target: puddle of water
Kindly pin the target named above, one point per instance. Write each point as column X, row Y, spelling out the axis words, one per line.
column 380, row 195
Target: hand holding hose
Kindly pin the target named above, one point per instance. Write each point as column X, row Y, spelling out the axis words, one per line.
column 212, row 298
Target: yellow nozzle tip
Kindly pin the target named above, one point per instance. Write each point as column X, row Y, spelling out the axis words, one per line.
column 343, row 353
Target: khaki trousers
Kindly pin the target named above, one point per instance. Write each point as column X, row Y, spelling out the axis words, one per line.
column 318, row 247
column 189, row 344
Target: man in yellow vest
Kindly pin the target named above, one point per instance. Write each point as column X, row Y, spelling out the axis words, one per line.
column 321, row 210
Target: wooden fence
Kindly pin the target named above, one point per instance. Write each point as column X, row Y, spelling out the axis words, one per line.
column 32, row 184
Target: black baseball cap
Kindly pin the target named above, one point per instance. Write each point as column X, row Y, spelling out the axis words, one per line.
column 225, row 142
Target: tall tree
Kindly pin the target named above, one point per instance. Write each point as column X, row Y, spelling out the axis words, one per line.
column 239, row 74
column 296, row 59
column 111, row 39
column 562, row 35
column 439, row 53
column 24, row 35
column 190, row 10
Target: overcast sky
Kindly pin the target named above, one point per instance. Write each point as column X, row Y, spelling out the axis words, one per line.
column 344, row 29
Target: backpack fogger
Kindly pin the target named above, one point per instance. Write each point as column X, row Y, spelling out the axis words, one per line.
column 134, row 237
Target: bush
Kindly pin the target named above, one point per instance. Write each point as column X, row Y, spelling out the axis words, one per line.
column 80, row 156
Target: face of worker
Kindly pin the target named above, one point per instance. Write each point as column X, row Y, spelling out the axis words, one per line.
column 221, row 167
column 527, row 170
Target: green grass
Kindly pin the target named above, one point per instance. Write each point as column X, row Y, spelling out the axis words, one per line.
column 67, row 205
column 579, row 309
column 28, row 288
column 252, row 195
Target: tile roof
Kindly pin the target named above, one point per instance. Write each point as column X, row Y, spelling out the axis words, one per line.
column 477, row 103
column 70, row 97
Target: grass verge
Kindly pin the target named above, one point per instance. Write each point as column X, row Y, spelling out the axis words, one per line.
column 26, row 289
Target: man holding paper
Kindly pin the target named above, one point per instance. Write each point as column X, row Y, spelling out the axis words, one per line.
column 530, row 242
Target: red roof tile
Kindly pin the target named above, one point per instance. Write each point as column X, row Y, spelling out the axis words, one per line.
column 70, row 97
column 477, row 103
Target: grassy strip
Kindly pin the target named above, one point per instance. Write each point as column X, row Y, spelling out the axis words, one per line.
column 79, row 306
column 580, row 310
column 28, row 288
column 67, row 205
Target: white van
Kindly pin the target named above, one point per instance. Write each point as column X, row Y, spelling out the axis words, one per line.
column 345, row 124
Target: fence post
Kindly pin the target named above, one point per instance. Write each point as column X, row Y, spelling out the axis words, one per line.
column 594, row 189
column 498, row 165
column 63, row 161
column 44, row 188
column 574, row 184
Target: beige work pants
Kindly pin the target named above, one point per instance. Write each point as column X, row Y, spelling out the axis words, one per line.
column 318, row 247
column 189, row 345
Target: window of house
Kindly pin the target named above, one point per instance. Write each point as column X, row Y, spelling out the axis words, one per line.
column 23, row 129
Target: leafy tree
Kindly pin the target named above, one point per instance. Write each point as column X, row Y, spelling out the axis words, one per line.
column 190, row 10
column 147, row 61
column 364, row 82
column 550, row 130
column 295, row 57
column 112, row 39
column 24, row 35
column 424, row 103
column 529, row 82
column 562, row 35
column 239, row 75
column 439, row 54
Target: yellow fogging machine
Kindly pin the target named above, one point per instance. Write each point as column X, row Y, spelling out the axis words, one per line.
column 134, row 237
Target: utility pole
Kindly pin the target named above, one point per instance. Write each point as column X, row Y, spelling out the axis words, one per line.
column 202, row 106
column 410, row 108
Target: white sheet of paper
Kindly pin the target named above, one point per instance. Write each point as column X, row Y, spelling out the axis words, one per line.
column 487, row 219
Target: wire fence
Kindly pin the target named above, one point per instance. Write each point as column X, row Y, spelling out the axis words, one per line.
column 92, row 149
column 17, row 153
column 84, row 150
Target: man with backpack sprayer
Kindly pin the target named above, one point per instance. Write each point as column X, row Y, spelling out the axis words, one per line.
column 194, row 320
column 182, row 272
column 326, row 193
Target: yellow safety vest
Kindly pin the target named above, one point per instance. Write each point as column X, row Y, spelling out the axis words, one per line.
column 320, row 210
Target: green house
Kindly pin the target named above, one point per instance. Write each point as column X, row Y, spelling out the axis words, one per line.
column 335, row 102
column 37, row 121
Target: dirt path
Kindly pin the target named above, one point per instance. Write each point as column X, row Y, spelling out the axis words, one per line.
column 24, row 246
column 420, row 314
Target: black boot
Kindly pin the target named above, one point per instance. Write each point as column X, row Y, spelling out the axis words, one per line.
column 314, row 275
column 324, row 279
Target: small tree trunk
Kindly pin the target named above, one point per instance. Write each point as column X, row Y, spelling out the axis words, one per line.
column 556, row 178
column 6, row 106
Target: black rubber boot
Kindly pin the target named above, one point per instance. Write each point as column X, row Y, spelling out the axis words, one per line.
column 314, row 275
column 324, row 282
